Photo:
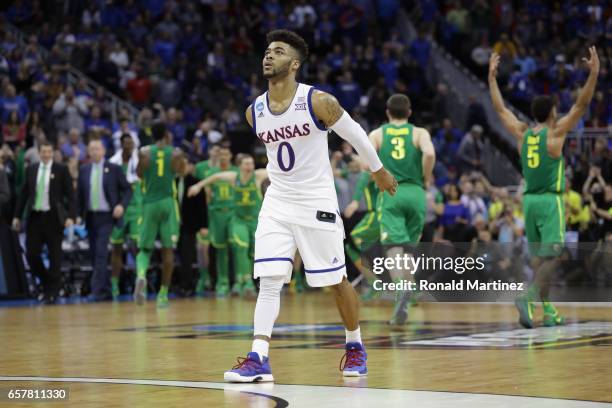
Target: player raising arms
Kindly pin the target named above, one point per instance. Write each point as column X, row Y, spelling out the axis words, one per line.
column 157, row 167
column 300, row 208
column 247, row 202
column 541, row 150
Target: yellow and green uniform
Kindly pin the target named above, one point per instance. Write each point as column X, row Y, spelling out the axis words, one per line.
column 220, row 213
column 401, row 216
column 543, row 197
column 220, row 208
column 247, row 199
column 201, row 172
column 132, row 218
column 160, row 214
column 367, row 230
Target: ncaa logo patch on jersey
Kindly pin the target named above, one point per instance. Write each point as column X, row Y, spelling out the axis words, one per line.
column 259, row 107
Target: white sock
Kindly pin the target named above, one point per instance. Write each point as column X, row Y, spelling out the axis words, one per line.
column 266, row 311
column 353, row 336
column 261, row 347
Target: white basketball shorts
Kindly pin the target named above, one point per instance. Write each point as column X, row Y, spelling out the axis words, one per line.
column 322, row 251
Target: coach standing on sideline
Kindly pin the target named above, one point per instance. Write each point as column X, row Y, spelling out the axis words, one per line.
column 104, row 193
column 49, row 196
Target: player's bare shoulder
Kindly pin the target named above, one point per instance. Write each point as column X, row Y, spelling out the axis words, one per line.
column 326, row 108
column 249, row 115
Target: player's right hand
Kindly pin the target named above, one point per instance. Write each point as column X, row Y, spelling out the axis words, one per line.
column 385, row 181
column 493, row 64
column 193, row 191
column 16, row 224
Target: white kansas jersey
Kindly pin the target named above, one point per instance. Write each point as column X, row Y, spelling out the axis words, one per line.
column 302, row 181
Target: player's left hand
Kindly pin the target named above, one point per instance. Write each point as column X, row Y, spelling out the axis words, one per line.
column 118, row 211
column 385, row 181
column 69, row 223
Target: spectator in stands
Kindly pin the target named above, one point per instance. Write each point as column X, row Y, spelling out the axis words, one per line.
column 13, row 131
column 97, row 127
column 447, row 141
column 453, row 216
column 74, row 146
column 475, row 204
column 11, row 102
column 470, row 149
column 69, row 111
column 348, row 92
column 388, row 67
column 168, row 91
column 420, row 49
column 145, row 122
column 139, row 87
column 175, row 126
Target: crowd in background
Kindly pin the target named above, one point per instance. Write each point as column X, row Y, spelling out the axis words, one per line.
column 195, row 65
column 541, row 44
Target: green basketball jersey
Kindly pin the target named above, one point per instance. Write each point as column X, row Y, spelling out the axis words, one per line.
column 158, row 179
column 201, row 169
column 542, row 173
column 399, row 156
column 367, row 188
column 247, row 198
column 222, row 191
column 136, row 199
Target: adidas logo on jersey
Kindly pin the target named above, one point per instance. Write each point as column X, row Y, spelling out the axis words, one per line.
column 261, row 114
column 335, row 260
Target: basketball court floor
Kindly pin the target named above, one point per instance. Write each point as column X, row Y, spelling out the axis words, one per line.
column 450, row 355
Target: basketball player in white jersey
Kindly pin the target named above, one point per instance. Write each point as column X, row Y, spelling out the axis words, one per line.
column 300, row 208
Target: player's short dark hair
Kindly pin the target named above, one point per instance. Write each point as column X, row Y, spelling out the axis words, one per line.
column 125, row 136
column 159, row 130
column 399, row 106
column 289, row 37
column 541, row 106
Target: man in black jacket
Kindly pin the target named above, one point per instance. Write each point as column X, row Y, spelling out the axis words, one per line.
column 104, row 194
column 5, row 191
column 193, row 220
column 47, row 201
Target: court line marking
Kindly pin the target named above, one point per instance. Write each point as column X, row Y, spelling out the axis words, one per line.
column 334, row 396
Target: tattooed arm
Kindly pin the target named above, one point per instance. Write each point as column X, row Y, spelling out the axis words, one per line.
column 328, row 111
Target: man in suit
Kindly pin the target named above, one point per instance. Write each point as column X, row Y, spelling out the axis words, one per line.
column 193, row 220
column 47, row 201
column 104, row 193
